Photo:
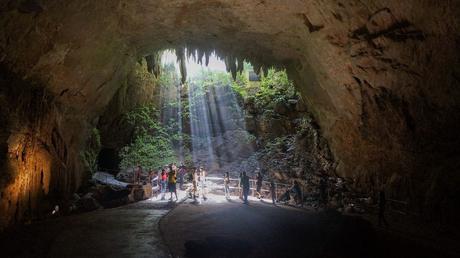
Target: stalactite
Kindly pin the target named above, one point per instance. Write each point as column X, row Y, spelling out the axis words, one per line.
column 233, row 68
column 180, row 53
column 265, row 69
column 206, row 55
column 154, row 64
column 240, row 65
column 200, row 56
column 257, row 68
column 230, row 63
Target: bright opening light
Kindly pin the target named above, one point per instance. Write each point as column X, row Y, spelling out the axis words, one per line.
column 193, row 67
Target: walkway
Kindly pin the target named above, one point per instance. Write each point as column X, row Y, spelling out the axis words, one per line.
column 227, row 228
column 127, row 231
column 213, row 228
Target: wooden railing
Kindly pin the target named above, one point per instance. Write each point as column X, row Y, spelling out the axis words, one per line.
column 280, row 188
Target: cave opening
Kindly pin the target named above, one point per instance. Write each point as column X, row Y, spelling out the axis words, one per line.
column 219, row 112
column 373, row 108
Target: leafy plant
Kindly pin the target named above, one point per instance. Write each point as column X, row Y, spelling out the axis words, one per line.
column 152, row 145
column 275, row 87
column 92, row 149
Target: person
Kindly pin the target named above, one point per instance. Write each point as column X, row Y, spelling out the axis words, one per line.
column 172, row 176
column 259, row 178
column 285, row 197
column 273, row 190
column 240, row 190
column 295, row 189
column 245, row 185
column 164, row 182
column 194, row 183
column 137, row 174
column 382, row 203
column 227, row 185
column 151, row 176
column 182, row 173
column 203, row 182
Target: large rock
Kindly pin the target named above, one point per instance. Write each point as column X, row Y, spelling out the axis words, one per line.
column 88, row 203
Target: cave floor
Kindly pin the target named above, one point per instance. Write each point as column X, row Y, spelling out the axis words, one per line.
column 127, row 231
column 228, row 228
column 216, row 227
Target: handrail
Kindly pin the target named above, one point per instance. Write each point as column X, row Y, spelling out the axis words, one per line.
column 278, row 186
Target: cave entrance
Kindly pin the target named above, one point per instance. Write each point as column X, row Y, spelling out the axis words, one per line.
column 223, row 114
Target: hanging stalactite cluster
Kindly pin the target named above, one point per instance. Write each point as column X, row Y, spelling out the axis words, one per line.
column 234, row 63
column 154, row 63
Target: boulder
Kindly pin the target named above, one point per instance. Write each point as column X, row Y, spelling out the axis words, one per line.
column 88, row 203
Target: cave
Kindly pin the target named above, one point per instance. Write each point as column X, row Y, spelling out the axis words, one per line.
column 108, row 160
column 378, row 79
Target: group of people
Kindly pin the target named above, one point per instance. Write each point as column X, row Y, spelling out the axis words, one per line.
column 167, row 178
column 169, row 175
column 244, row 186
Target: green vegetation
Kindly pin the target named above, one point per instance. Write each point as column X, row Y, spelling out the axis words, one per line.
column 157, row 142
column 275, row 87
column 152, row 145
column 93, row 146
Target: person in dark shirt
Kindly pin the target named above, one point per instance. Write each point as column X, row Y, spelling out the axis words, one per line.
column 273, row 190
column 245, row 185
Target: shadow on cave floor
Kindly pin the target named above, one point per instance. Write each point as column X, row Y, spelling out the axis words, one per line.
column 232, row 229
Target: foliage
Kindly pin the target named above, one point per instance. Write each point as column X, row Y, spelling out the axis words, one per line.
column 152, row 145
column 168, row 76
column 275, row 87
column 240, row 85
column 92, row 149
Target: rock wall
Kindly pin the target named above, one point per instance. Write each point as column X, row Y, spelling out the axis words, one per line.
column 289, row 144
column 40, row 166
column 140, row 87
column 380, row 77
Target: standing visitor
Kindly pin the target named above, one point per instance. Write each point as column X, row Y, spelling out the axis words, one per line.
column 137, row 174
column 245, row 185
column 240, row 185
column 163, row 183
column 203, row 182
column 273, row 190
column 194, row 183
column 172, row 182
column 227, row 185
column 259, row 178
column 182, row 173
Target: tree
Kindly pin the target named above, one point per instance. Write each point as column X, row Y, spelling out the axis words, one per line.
column 152, row 145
